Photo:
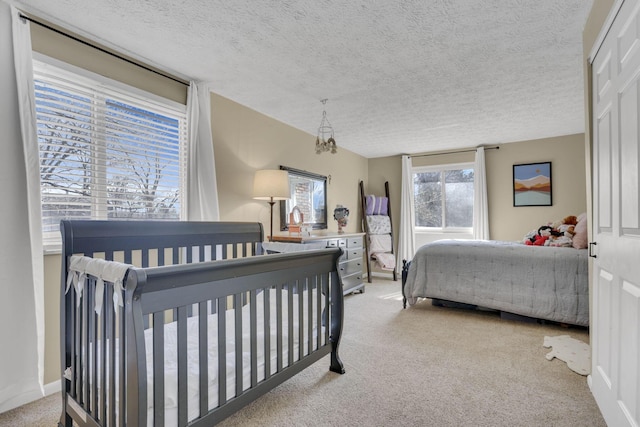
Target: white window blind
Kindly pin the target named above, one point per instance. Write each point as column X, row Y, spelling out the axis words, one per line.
column 105, row 152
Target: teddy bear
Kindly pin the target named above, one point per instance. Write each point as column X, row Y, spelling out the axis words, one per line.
column 566, row 230
column 567, row 220
column 563, row 235
column 570, row 220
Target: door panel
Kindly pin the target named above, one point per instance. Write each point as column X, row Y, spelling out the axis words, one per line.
column 615, row 332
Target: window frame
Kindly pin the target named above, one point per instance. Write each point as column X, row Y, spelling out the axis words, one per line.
column 441, row 168
column 52, row 242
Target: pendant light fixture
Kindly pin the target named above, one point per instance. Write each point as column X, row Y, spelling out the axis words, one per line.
column 325, row 140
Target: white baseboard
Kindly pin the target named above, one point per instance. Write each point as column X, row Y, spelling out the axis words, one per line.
column 31, row 396
column 381, row 274
column 52, row 388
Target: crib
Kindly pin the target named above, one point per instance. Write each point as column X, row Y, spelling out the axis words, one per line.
column 184, row 323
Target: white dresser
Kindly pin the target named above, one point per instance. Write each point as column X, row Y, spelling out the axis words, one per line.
column 351, row 262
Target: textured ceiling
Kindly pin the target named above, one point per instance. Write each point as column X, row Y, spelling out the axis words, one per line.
column 400, row 76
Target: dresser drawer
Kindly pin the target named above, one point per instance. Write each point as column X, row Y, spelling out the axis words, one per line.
column 353, row 253
column 352, row 281
column 354, row 242
column 349, row 267
column 337, row 243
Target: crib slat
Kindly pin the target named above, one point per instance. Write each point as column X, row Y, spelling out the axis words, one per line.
column 311, row 287
column 203, row 356
column 222, row 351
column 290, row 291
column 319, row 313
column 145, row 258
column 158, row 368
column 279, row 354
column 103, row 354
column 301, row 288
column 267, row 333
column 182, row 366
column 84, row 356
column 237, row 310
column 111, row 335
column 327, row 306
column 253, row 319
column 176, row 255
column 121, row 368
column 73, row 320
column 92, row 356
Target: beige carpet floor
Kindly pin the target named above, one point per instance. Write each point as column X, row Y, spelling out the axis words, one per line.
column 423, row 366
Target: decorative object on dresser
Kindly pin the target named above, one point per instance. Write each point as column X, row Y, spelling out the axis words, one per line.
column 350, row 268
column 296, row 219
column 341, row 214
column 376, row 223
column 271, row 185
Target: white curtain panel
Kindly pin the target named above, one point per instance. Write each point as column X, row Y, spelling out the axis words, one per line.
column 406, row 240
column 21, row 255
column 480, row 202
column 202, row 187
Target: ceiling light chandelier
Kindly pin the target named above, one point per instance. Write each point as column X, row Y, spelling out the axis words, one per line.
column 325, row 140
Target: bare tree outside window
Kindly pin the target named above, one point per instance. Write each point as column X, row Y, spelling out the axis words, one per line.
column 444, row 198
column 103, row 157
column 428, row 199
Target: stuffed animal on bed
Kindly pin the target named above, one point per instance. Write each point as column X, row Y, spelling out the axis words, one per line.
column 565, row 237
column 567, row 220
column 557, row 233
column 540, row 237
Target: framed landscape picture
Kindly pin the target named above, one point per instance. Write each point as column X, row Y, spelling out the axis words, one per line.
column 532, row 184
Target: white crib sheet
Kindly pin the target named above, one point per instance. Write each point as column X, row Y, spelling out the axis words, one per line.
column 193, row 376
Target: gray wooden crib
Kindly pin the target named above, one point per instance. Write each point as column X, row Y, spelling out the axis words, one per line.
column 201, row 326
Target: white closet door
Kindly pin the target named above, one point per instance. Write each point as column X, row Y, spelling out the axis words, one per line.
column 615, row 331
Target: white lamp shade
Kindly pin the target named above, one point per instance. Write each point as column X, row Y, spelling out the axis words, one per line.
column 271, row 185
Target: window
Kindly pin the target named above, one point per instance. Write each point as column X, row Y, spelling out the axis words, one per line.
column 106, row 151
column 443, row 196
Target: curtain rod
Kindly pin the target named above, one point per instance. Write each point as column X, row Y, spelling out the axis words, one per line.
column 86, row 43
column 497, row 147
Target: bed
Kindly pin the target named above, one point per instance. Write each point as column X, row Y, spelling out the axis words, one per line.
column 202, row 326
column 542, row 282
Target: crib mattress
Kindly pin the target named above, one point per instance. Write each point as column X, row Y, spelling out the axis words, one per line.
column 193, row 372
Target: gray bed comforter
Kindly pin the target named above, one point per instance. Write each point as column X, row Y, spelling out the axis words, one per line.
column 543, row 282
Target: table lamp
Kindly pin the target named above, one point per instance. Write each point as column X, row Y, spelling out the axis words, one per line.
column 271, row 185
